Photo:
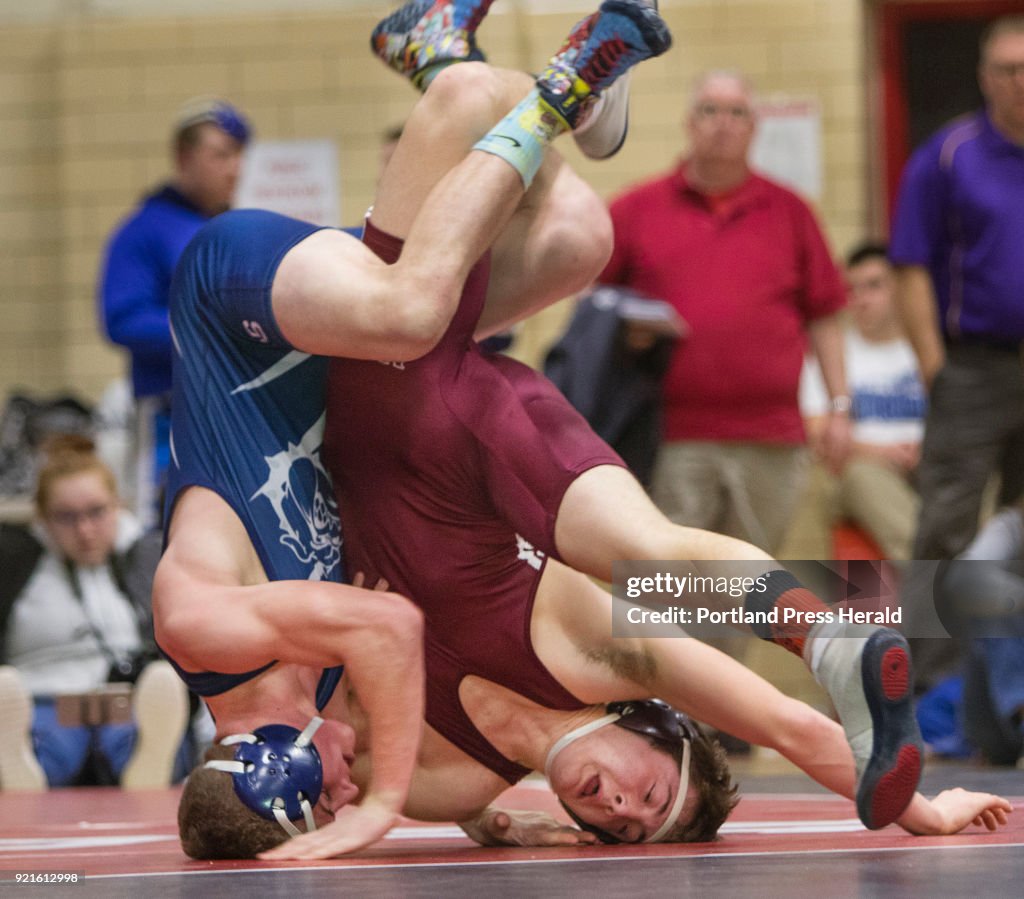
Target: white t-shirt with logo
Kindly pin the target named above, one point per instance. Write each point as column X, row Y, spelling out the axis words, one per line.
column 889, row 401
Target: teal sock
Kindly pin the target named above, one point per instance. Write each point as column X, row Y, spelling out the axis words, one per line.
column 521, row 137
column 424, row 77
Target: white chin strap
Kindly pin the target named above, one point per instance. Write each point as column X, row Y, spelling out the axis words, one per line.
column 611, row 718
column 573, row 736
column 282, row 818
column 235, row 767
column 677, row 806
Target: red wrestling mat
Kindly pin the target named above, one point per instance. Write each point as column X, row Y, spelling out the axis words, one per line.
column 107, row 832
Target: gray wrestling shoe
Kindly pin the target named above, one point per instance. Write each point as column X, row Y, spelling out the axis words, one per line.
column 867, row 674
column 603, row 132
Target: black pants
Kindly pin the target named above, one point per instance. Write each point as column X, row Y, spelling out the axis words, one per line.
column 974, row 429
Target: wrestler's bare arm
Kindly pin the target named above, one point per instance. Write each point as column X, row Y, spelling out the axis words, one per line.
column 448, row 785
column 214, row 611
column 571, row 630
column 571, row 635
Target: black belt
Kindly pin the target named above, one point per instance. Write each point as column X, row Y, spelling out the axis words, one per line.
column 986, row 343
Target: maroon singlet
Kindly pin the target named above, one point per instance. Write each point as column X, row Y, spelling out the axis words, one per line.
column 449, row 472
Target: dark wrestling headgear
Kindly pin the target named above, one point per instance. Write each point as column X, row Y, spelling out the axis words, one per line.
column 277, row 773
column 650, row 718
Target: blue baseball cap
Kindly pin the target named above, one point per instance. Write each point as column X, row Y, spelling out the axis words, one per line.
column 217, row 112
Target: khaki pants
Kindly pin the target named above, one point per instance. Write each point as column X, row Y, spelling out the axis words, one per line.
column 875, row 497
column 747, row 491
column 744, row 490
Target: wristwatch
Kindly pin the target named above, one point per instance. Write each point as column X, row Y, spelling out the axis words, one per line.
column 842, row 404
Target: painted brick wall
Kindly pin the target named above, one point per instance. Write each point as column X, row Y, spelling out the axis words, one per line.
column 85, row 107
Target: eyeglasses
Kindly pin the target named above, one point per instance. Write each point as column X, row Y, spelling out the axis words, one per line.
column 868, row 284
column 69, row 518
column 1006, row 70
column 711, row 110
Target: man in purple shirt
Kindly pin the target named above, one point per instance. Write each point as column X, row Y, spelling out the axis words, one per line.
column 957, row 239
column 957, row 242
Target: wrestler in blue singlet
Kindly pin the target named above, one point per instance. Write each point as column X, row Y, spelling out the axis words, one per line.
column 248, row 409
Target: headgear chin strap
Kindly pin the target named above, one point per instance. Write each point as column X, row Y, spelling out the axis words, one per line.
column 677, row 806
column 652, row 718
column 277, row 773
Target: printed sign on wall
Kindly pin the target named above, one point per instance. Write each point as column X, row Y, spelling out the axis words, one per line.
column 788, row 144
column 297, row 178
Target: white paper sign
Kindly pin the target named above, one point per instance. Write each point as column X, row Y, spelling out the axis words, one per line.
column 788, row 144
column 297, row 178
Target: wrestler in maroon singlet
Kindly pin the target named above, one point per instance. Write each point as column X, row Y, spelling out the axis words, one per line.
column 450, row 471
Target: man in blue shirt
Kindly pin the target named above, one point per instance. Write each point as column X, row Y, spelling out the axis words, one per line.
column 140, row 258
column 956, row 241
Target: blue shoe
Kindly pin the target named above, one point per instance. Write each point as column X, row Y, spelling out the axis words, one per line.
column 599, row 50
column 426, row 33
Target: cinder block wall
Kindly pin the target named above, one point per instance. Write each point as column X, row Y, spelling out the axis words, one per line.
column 85, row 107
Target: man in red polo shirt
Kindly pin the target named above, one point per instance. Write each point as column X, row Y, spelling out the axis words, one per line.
column 744, row 262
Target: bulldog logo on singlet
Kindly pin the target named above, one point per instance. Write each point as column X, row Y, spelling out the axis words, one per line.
column 300, row 492
column 528, row 553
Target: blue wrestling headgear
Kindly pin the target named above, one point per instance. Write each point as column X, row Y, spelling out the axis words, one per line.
column 650, row 718
column 277, row 773
column 218, row 112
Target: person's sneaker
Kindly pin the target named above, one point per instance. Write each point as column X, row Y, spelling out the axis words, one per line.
column 867, row 674
column 160, row 709
column 423, row 34
column 19, row 768
column 600, row 50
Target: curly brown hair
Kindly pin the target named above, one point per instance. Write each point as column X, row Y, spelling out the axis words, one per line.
column 213, row 823
column 709, row 771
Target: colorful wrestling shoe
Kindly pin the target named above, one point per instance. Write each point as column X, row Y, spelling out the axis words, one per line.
column 425, row 34
column 867, row 673
column 598, row 51
column 602, row 129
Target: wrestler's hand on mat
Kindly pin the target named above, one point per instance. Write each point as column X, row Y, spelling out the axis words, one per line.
column 354, row 827
column 952, row 810
column 497, row 827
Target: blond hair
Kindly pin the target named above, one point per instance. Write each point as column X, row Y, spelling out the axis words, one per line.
column 66, row 455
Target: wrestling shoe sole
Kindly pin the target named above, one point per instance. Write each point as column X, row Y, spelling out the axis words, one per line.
column 890, row 778
column 604, row 136
column 160, row 709
column 19, row 768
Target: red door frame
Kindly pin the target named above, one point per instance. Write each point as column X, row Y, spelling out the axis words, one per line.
column 893, row 20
